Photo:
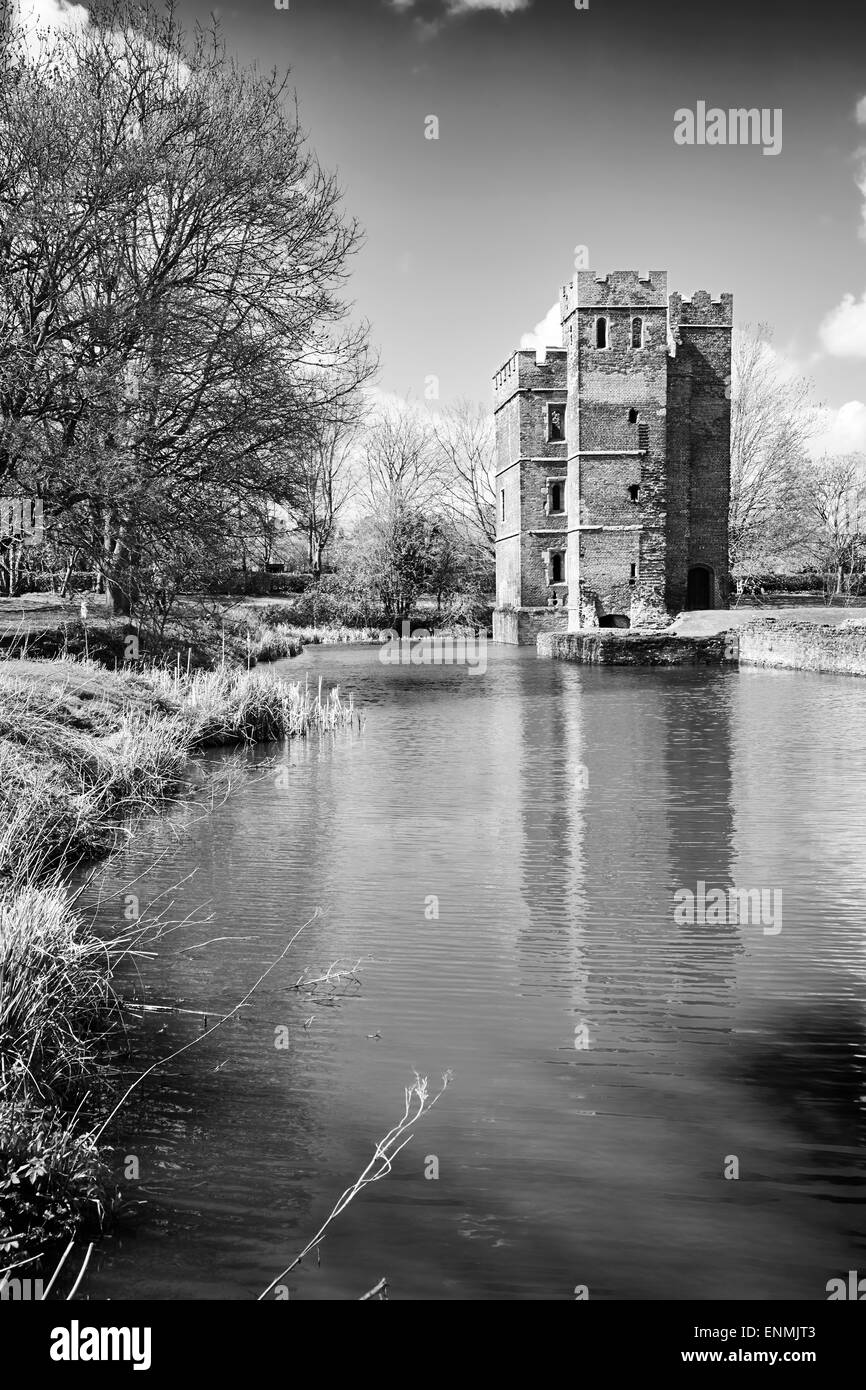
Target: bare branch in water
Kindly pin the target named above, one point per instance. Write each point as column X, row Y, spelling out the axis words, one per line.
column 417, row 1102
column 333, row 985
column 74, row 1289
column 379, row 1291
column 207, row 1033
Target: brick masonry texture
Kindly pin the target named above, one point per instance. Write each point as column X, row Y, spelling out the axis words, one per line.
column 804, row 646
column 645, row 458
column 633, row 649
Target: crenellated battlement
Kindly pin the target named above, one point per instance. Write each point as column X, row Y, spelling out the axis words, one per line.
column 701, row 311
column 617, row 289
column 530, row 369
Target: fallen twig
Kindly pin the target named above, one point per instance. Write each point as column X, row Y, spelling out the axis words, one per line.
column 380, row 1164
column 74, row 1289
column 378, row 1291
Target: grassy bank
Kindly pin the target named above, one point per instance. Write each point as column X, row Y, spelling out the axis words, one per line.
column 199, row 632
column 83, row 751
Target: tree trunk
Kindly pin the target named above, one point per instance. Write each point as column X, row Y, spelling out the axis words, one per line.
column 64, row 583
column 119, row 584
column 14, row 568
column 118, row 599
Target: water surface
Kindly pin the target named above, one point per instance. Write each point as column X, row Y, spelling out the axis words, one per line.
column 502, row 851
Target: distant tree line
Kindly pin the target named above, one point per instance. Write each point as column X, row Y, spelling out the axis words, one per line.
column 791, row 514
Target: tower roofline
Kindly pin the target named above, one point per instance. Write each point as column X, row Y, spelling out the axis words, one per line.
column 702, row 310
column 614, row 289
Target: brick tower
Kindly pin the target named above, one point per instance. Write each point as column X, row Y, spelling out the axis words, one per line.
column 613, row 461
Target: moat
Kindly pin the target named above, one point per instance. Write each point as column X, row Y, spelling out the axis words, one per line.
column 607, row 1062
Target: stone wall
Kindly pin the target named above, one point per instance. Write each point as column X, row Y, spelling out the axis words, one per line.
column 524, row 388
column 647, row 609
column 646, row 497
column 523, row 625
column 804, row 646
column 608, row 452
column 543, row 531
column 699, row 429
column 611, row 647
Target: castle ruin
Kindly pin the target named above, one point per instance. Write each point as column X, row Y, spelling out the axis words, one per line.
column 613, row 461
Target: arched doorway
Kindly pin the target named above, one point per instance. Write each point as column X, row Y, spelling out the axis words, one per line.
column 699, row 593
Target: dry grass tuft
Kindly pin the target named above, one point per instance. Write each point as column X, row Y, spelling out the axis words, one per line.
column 83, row 752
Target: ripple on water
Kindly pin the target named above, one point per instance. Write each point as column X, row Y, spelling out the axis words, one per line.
column 500, row 903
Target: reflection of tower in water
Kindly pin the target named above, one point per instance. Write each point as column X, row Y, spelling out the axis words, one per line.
column 699, row 813
column 625, row 797
column 552, row 796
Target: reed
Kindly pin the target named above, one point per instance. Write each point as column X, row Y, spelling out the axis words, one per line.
column 83, row 752
column 226, row 706
column 56, row 1007
column 274, row 642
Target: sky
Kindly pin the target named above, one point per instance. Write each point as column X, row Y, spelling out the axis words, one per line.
column 556, row 131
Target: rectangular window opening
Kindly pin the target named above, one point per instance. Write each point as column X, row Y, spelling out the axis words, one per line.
column 555, row 423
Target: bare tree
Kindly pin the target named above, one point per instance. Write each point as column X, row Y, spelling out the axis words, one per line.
column 465, row 439
column 399, row 464
column 321, row 483
column 834, row 491
column 171, row 265
column 772, row 418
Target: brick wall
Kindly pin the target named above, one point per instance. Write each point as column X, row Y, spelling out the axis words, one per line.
column 526, row 458
column 677, row 453
column 700, row 370
column 611, row 382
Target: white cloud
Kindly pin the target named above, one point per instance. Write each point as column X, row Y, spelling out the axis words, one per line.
column 843, row 331
column 458, row 7
column 503, row 6
column 38, row 21
column 860, row 176
column 841, row 431
column 547, row 333
column 36, row 17
column 833, row 430
column 782, row 364
column 860, row 181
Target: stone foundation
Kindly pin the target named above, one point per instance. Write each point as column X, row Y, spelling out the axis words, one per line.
column 616, row 647
column 521, row 626
column 647, row 611
column 804, row 646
